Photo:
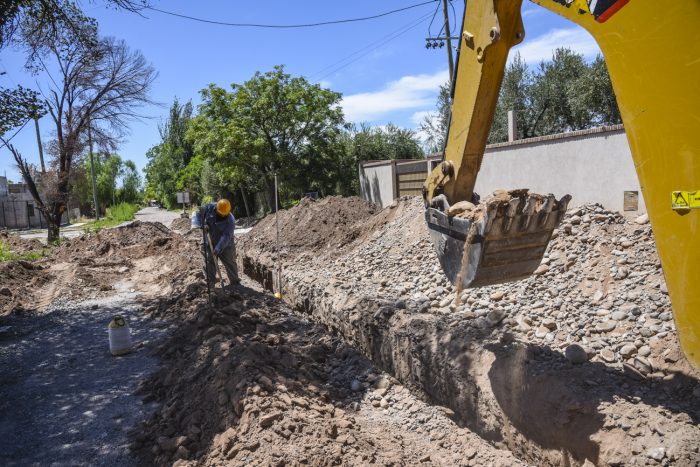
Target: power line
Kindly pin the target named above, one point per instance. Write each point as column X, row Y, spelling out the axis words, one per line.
column 6, row 142
column 288, row 26
column 369, row 48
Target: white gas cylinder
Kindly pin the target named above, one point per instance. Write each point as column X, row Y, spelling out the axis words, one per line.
column 119, row 336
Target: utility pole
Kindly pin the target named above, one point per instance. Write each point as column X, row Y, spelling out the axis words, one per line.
column 38, row 142
column 449, row 40
column 92, row 171
column 277, row 227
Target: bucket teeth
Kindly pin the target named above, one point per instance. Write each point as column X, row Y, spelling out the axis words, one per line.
column 511, row 212
column 512, row 234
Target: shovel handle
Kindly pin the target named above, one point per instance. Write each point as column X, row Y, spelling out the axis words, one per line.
column 216, row 258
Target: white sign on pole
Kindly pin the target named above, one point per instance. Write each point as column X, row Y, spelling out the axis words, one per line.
column 183, row 197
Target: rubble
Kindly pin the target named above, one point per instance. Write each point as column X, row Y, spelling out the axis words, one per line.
column 375, row 363
column 600, row 288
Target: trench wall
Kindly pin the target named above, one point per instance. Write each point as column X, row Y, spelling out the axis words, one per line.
column 492, row 385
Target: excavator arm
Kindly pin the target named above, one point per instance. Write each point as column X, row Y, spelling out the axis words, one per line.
column 652, row 50
column 506, row 236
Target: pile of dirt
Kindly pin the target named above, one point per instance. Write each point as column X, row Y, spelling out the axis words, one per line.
column 20, row 245
column 181, row 224
column 148, row 255
column 245, row 382
column 20, row 284
column 594, row 322
column 319, row 226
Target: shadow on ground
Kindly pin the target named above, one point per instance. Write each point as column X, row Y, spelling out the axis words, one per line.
column 64, row 398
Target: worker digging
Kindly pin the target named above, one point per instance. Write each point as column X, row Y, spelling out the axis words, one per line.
column 218, row 241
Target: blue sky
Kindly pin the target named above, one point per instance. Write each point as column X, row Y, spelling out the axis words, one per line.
column 380, row 66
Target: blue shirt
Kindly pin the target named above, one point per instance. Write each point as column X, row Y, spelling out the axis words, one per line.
column 220, row 228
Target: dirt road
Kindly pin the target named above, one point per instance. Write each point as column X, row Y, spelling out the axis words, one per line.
column 65, row 399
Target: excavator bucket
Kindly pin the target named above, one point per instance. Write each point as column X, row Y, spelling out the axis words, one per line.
column 506, row 235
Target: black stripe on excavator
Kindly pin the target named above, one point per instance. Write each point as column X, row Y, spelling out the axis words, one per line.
column 456, row 234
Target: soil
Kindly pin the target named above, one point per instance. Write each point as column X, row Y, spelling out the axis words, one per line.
column 181, row 224
column 20, row 245
column 242, row 381
column 246, row 382
column 319, row 226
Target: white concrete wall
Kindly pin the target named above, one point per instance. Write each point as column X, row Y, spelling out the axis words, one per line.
column 592, row 168
column 377, row 182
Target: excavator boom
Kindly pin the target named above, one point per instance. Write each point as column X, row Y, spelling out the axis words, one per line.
column 652, row 50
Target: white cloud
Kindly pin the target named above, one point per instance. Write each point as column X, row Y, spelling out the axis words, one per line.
column 324, row 83
column 406, row 93
column 418, row 117
column 542, row 47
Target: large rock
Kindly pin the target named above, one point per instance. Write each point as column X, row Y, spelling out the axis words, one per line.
column 576, row 354
column 605, row 326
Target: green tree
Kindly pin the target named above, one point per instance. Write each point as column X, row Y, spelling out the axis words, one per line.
column 434, row 125
column 171, row 156
column 593, row 94
column 564, row 94
column 272, row 123
column 111, row 168
column 117, row 180
column 130, row 191
column 513, row 95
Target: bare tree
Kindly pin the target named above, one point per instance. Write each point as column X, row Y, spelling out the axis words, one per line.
column 100, row 87
column 20, row 18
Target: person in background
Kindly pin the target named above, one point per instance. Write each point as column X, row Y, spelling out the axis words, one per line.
column 218, row 224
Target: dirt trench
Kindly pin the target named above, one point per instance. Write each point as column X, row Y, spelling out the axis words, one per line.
column 517, row 393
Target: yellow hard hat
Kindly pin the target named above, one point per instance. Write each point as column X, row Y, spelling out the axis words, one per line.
column 223, row 207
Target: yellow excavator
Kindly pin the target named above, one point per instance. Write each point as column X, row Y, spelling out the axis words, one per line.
column 652, row 50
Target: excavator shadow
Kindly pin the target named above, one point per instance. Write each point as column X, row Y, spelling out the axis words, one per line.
column 564, row 407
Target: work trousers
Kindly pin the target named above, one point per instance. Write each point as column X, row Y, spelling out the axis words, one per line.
column 228, row 258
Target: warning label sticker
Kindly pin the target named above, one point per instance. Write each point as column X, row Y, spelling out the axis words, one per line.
column 685, row 200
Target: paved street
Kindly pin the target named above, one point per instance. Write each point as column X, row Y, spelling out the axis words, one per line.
column 145, row 215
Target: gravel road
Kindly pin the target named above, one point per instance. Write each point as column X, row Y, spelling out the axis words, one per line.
column 65, row 399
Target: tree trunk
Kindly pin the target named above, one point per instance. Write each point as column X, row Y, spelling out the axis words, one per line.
column 270, row 185
column 53, row 224
column 245, row 202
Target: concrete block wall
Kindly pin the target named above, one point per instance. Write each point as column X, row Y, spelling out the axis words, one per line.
column 593, row 166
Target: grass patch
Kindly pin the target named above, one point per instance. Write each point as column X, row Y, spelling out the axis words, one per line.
column 6, row 254
column 117, row 214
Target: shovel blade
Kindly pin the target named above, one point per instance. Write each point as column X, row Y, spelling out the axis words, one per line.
column 509, row 239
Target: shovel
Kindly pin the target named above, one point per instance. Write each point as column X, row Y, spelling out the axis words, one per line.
column 216, row 259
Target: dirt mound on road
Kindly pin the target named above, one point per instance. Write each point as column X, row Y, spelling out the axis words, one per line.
column 144, row 256
column 21, row 245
